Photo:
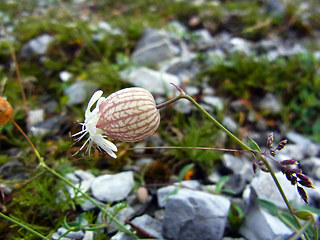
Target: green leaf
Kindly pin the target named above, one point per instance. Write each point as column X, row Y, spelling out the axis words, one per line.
column 253, row 145
column 184, row 170
column 270, row 206
column 222, row 181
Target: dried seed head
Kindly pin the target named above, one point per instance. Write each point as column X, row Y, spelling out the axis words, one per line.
column 128, row 115
column 303, row 194
column 289, row 162
column 5, row 111
column 294, row 180
column 270, row 140
column 282, row 144
column 272, row 152
column 254, row 167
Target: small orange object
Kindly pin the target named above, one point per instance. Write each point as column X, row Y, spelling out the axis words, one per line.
column 5, row 111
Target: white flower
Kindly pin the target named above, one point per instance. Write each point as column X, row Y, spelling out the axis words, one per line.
column 128, row 115
column 96, row 135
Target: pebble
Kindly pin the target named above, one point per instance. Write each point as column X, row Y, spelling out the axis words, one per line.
column 111, row 188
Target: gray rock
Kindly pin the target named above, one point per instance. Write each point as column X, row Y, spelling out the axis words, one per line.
column 150, row 225
column 165, row 192
column 229, row 123
column 260, row 225
column 48, row 126
column 192, row 214
column 88, row 235
column 36, row 46
column 177, row 29
column 270, row 103
column 111, row 188
column 73, row 235
column 151, row 80
column 183, row 106
column 309, row 148
column 240, row 45
column 121, row 216
column 121, row 236
column 266, row 189
column 56, row 236
column 84, row 175
column 312, row 167
column 203, row 39
column 291, row 151
column 238, row 165
column 276, row 7
column 183, row 67
column 79, row 92
column 214, row 57
column 84, row 186
column 156, row 46
column 213, row 101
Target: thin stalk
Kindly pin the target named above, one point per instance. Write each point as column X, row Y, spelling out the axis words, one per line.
column 284, row 197
column 77, row 190
column 244, row 146
column 301, row 230
column 219, row 125
column 193, row 148
column 23, row 226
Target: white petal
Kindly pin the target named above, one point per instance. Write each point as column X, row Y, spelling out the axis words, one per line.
column 93, row 99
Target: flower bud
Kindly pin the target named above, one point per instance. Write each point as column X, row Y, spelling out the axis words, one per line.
column 5, row 111
column 128, row 115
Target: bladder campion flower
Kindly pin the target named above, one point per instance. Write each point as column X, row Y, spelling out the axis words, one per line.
column 5, row 111
column 127, row 115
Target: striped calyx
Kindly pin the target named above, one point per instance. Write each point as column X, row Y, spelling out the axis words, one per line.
column 128, row 115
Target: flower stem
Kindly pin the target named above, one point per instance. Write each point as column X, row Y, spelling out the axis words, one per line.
column 219, row 125
column 244, row 146
column 77, row 190
column 23, row 226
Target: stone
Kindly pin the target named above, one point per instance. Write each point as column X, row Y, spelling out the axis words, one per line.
column 111, row 188
column 36, row 46
column 65, row 76
column 270, row 103
column 312, row 167
column 79, row 92
column 214, row 57
column 192, row 214
column 155, row 46
column 72, row 235
column 185, row 68
column 308, row 147
column 266, row 189
column 121, row 215
column 261, row 225
column 153, row 81
column 50, row 125
column 56, row 236
column 203, row 39
column 238, row 165
column 121, row 236
column 84, row 175
column 35, row 116
column 229, row 123
column 88, row 235
column 291, row 151
column 239, row 45
column 150, row 225
column 213, row 101
column 165, row 192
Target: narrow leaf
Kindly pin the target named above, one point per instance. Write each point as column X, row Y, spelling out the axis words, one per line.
column 184, row 170
column 253, row 145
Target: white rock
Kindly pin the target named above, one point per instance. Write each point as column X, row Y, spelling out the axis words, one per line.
column 111, row 188
column 151, row 80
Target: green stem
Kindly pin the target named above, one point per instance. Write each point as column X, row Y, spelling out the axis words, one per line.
column 244, row 146
column 23, row 226
column 219, row 125
column 77, row 190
